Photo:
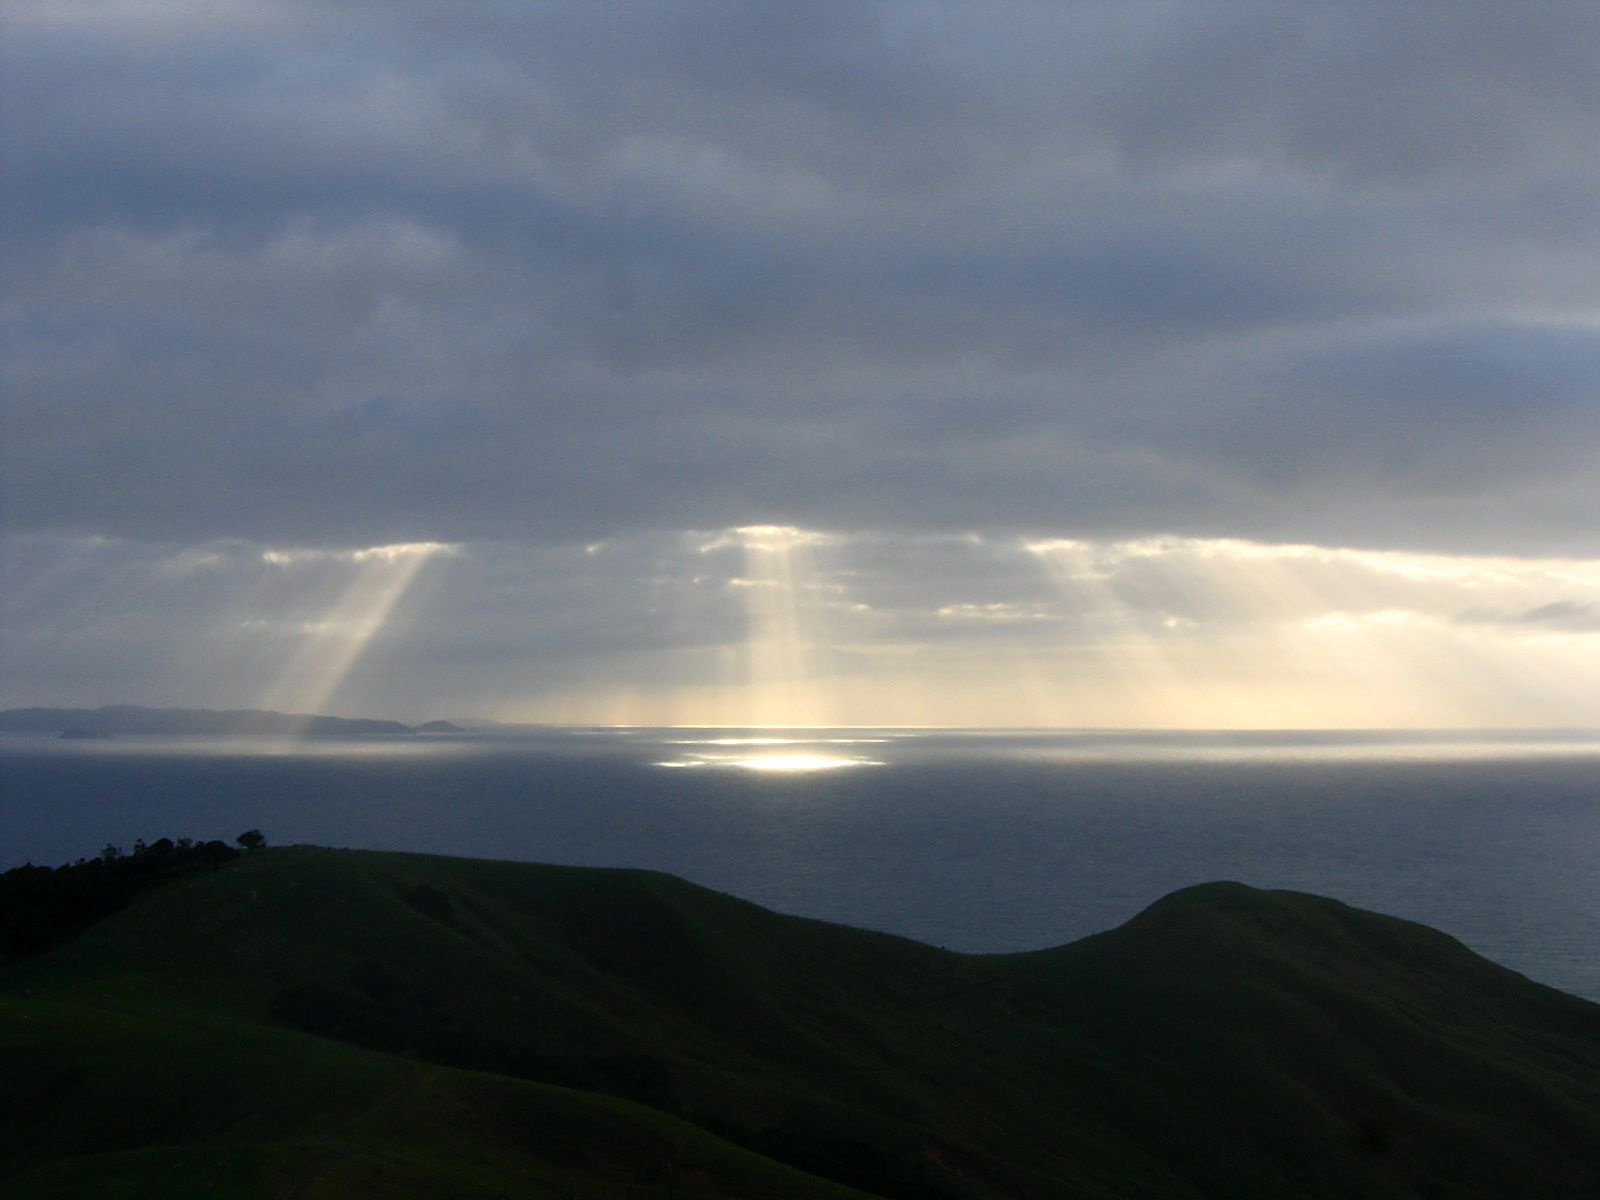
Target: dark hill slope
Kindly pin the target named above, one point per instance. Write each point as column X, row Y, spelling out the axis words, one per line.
column 1227, row 1042
column 1298, row 1039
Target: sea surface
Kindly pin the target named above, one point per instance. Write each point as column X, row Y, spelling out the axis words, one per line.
column 977, row 841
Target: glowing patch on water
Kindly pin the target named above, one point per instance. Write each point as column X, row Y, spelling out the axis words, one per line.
column 777, row 741
column 785, row 763
column 798, row 762
column 734, row 741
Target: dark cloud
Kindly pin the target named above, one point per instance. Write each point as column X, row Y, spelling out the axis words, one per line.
column 1578, row 616
column 370, row 273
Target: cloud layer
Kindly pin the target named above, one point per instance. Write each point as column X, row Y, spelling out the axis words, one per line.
column 548, row 274
column 1085, row 363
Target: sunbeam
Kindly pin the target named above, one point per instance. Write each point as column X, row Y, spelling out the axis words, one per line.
column 1218, row 632
column 1163, row 632
column 783, row 646
column 782, row 627
column 333, row 644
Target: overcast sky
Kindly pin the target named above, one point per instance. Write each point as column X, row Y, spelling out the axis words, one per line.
column 560, row 296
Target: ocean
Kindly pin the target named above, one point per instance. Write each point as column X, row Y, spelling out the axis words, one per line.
column 976, row 841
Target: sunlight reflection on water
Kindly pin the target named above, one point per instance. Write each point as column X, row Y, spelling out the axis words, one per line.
column 772, row 762
column 802, row 750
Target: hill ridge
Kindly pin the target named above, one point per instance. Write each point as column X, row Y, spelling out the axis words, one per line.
column 1225, row 1041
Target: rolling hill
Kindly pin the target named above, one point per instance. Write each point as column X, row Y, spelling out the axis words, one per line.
column 321, row 1023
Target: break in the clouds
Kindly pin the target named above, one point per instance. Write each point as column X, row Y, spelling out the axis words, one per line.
column 510, row 280
column 778, row 625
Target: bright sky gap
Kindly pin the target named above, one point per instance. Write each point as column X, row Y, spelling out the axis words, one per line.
column 779, row 626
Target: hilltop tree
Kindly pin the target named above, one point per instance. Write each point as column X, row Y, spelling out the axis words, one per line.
column 252, row 839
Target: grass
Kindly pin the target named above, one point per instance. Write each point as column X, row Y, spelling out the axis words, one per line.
column 337, row 1023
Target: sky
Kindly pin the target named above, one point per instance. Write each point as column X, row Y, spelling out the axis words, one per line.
column 1177, row 365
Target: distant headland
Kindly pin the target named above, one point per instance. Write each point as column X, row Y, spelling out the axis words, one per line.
column 113, row 719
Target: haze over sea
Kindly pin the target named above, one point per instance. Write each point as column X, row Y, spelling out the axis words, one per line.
column 977, row 841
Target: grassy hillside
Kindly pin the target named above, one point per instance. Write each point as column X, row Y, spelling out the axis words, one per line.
column 306, row 1022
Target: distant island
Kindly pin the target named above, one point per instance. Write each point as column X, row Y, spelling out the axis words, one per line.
column 193, row 1018
column 113, row 719
column 438, row 727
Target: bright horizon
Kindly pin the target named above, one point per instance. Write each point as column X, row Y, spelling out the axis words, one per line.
column 783, row 628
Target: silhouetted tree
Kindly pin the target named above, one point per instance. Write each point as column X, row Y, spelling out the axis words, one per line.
column 40, row 907
column 252, row 839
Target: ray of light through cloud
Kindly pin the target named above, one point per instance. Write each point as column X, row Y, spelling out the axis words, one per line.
column 780, row 626
column 786, row 640
column 333, row 643
column 1172, row 632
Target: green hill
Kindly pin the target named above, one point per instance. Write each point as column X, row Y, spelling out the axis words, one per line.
column 318, row 1023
